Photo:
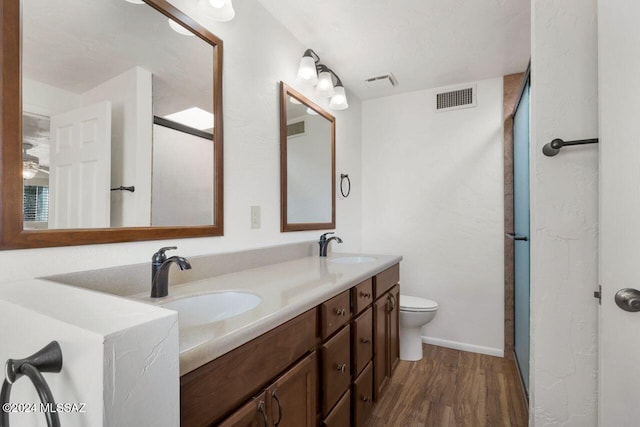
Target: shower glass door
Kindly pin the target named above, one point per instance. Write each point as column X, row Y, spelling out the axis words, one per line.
column 521, row 229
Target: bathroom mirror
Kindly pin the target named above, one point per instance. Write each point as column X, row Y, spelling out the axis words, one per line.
column 307, row 164
column 111, row 125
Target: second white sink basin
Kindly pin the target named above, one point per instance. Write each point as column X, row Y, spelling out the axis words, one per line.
column 353, row 260
column 206, row 308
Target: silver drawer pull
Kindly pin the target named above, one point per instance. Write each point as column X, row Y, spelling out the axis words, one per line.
column 366, row 399
column 365, row 295
column 342, row 368
column 341, row 312
column 365, row 341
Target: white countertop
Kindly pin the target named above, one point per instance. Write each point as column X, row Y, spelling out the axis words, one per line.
column 287, row 290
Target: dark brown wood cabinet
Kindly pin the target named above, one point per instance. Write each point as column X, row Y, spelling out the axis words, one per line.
column 326, row 366
column 340, row 416
column 336, row 368
column 252, row 414
column 386, row 321
column 363, row 397
column 293, row 397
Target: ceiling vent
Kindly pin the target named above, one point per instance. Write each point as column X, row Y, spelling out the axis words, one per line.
column 448, row 99
column 385, row 81
column 296, row 129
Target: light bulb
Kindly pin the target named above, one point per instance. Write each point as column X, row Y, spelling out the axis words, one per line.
column 216, row 3
column 135, row 1
column 294, row 100
column 312, row 111
column 29, row 172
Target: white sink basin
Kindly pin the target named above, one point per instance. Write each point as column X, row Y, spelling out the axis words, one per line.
column 353, row 260
column 207, row 308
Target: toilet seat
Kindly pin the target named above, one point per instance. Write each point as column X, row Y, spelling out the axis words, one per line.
column 417, row 304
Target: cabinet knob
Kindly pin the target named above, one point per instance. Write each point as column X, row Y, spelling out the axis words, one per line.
column 341, row 312
column 365, row 295
column 342, row 368
column 365, row 341
column 366, row 399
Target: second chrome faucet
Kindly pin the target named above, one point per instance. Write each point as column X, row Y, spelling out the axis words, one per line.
column 160, row 271
column 324, row 242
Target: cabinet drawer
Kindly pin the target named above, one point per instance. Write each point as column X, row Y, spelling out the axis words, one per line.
column 362, row 295
column 385, row 280
column 336, row 368
column 362, row 344
column 341, row 414
column 363, row 397
column 335, row 313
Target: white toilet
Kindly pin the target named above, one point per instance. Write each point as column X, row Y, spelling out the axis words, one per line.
column 415, row 312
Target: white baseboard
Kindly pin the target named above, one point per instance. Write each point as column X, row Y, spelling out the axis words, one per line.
column 463, row 346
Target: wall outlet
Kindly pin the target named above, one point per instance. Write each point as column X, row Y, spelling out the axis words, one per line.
column 255, row 217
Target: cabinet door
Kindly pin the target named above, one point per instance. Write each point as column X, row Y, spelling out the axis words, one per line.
column 380, row 345
column 394, row 331
column 252, row 414
column 293, row 397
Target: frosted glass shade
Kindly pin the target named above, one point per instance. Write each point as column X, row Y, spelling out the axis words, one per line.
column 307, row 70
column 217, row 10
column 179, row 28
column 325, row 84
column 339, row 99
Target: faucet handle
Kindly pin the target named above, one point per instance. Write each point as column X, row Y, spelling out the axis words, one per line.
column 160, row 256
column 324, row 236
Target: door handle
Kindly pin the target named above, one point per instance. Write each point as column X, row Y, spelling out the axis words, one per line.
column 514, row 236
column 628, row 299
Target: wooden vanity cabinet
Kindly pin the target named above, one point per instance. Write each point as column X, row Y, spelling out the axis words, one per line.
column 252, row 414
column 291, row 401
column 386, row 320
column 326, row 366
column 336, row 368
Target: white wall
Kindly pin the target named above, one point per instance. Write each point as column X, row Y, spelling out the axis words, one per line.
column 434, row 193
column 46, row 100
column 564, row 214
column 131, row 97
column 258, row 53
column 182, row 190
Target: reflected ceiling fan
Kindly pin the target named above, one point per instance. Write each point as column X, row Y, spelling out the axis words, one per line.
column 30, row 163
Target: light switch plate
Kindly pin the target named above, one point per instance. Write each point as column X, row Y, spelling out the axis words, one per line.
column 255, row 217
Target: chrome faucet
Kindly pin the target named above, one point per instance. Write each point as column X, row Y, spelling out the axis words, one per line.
column 324, row 242
column 160, row 271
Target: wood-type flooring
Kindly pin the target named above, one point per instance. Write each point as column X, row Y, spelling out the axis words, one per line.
column 451, row 388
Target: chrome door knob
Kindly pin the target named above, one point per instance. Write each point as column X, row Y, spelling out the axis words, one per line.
column 628, row 299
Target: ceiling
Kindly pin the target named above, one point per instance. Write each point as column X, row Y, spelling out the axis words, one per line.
column 102, row 39
column 424, row 43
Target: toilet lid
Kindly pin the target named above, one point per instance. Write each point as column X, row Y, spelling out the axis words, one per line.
column 409, row 303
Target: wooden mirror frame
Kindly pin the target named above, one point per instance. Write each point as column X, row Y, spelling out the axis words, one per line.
column 286, row 91
column 12, row 234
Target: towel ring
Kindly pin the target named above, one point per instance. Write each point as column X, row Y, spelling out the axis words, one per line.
column 344, row 176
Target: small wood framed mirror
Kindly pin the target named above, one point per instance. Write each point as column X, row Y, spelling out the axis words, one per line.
column 111, row 123
column 307, row 164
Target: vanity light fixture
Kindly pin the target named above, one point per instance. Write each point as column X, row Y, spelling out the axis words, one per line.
column 135, row 1
column 217, row 10
column 180, row 29
column 294, row 100
column 313, row 72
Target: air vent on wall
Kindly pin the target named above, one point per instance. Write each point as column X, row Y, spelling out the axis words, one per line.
column 380, row 82
column 455, row 98
column 295, row 129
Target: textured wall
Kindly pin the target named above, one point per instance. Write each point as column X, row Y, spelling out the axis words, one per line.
column 564, row 214
column 434, row 193
column 258, row 53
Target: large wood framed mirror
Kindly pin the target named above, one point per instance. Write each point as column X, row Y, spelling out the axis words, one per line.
column 111, row 123
column 307, row 164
